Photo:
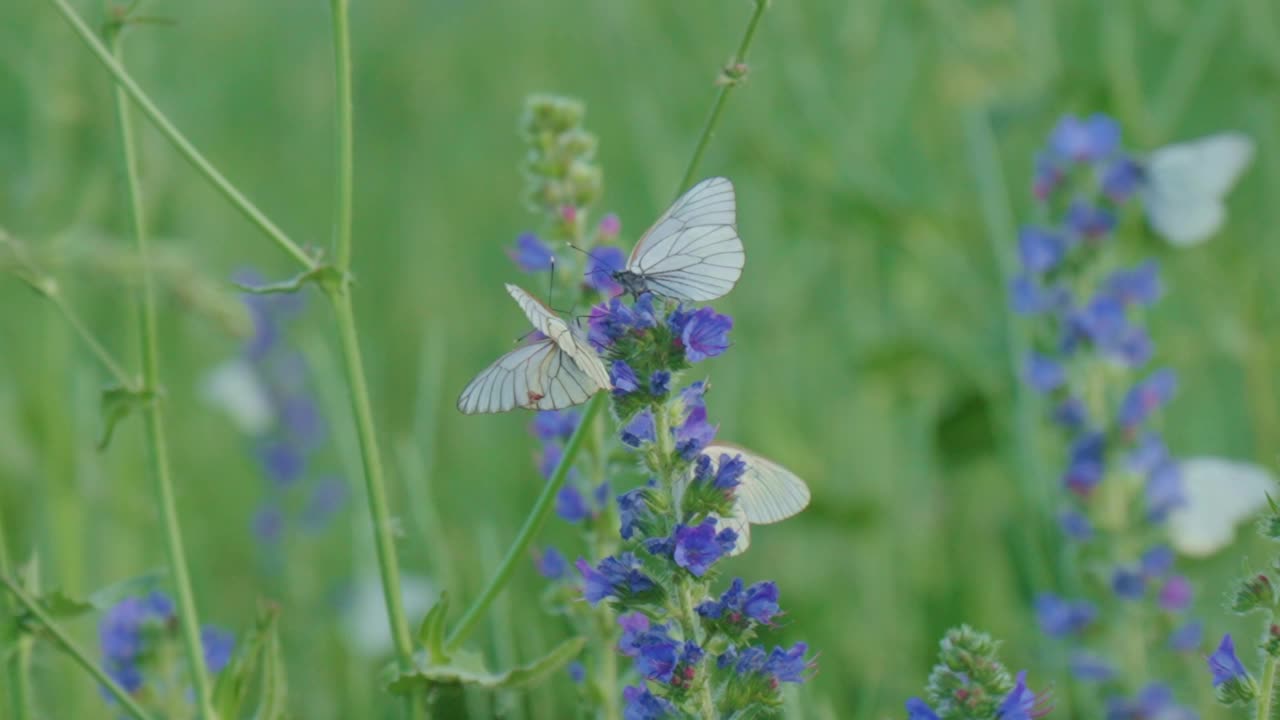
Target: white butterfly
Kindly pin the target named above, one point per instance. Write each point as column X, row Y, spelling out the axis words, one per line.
column 554, row 372
column 768, row 493
column 235, row 387
column 693, row 252
column 1219, row 495
column 1186, row 183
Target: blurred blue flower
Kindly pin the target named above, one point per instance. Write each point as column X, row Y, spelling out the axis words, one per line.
column 918, row 709
column 282, row 461
column 644, row 705
column 1121, row 178
column 1155, row 701
column 694, row 433
column 1163, row 490
column 530, row 254
column 639, row 430
column 551, row 564
column 1092, row 139
column 218, row 645
column 1040, row 250
column 619, row 577
column 1043, row 373
column 1090, row 667
column 1091, row 221
column 570, row 505
column 659, row 383
column 1176, row 593
column 577, row 673
column 1059, row 617
column 1127, row 583
column 551, row 425
column 1087, row 463
column 1136, row 286
column 1157, row 562
column 1020, row 703
column 652, row 648
column 602, row 263
column 1075, row 525
column 1187, row 637
column 1147, row 396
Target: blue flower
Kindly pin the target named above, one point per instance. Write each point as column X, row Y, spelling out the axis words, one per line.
column 530, row 254
column 609, row 322
column 705, row 335
column 1148, row 454
column 694, row 433
column 1059, row 617
column 1071, row 414
column 577, row 673
column 1090, row 140
column 549, row 425
column 1043, row 373
column 659, row 383
column 1121, row 178
column 1088, row 666
column 619, row 577
column 549, row 460
column 1187, row 637
column 1137, row 286
column 1020, row 703
column 1146, row 397
column 644, row 705
column 644, row 316
column 551, row 564
column 623, row 378
column 302, row 421
column 655, row 652
column 633, row 510
column 1089, row 220
column 1087, row 463
column 218, row 645
column 1128, row 584
column 1163, row 490
column 639, row 430
column 697, row 548
column 1040, row 250
column 1076, row 525
column 1028, row 297
column 1224, row 664
column 918, row 709
column 570, row 505
column 758, row 602
column 1153, row 701
column 1157, row 562
column 602, row 263
column 282, row 462
column 789, row 665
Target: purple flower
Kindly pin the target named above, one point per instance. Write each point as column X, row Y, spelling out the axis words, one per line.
column 570, row 505
column 655, row 652
column 659, row 383
column 283, row 462
column 530, row 254
column 218, row 645
column 602, row 263
column 1020, row 703
column 644, row 705
column 1088, row 666
column 918, row 709
column 1089, row 220
column 639, row 430
column 758, row 602
column 1043, row 373
column 551, row 564
column 619, row 577
column 705, row 335
column 551, row 425
column 1224, row 664
column 1089, row 140
column 623, row 378
column 644, row 316
column 610, row 225
column 1059, row 617
column 1187, row 638
column 698, row 548
column 1176, row 594
column 789, row 665
column 694, row 433
column 1121, row 178
column 1040, row 250
column 1136, row 286
column 1146, row 397
column 633, row 509
column 609, row 322
column 1128, row 583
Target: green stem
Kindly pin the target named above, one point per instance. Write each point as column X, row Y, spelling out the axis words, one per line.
column 532, row 524
column 157, row 442
column 375, row 484
column 1267, row 691
column 709, row 129
column 173, row 135
column 18, row 664
column 60, row 636
column 345, row 130
column 47, row 286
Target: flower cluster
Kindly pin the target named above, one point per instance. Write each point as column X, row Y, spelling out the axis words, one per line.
column 139, row 635
column 695, row 652
column 267, row 392
column 1090, row 359
column 970, row 683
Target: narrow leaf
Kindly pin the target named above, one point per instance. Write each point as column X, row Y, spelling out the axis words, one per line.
column 431, row 633
column 233, row 684
column 467, row 668
column 117, row 402
column 322, row 275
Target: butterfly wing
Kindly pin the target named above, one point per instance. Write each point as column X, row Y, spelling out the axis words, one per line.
column 542, row 318
column 693, row 252
column 1219, row 495
column 769, row 492
column 737, row 522
column 1186, row 184
column 537, row 376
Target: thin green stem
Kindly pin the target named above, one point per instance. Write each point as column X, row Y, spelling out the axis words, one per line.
column 178, row 140
column 532, row 524
column 375, row 483
column 732, row 77
column 48, row 286
column 1266, row 694
column 60, row 636
column 158, row 449
column 345, row 131
column 18, row 662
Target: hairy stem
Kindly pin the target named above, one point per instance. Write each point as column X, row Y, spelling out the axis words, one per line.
column 532, row 524
column 158, row 450
column 69, row 646
column 729, row 81
column 126, row 83
column 1267, row 690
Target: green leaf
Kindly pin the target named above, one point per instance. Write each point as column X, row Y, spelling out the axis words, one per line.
column 117, row 403
column 61, row 607
column 131, row 587
column 326, row 276
column 233, row 684
column 273, row 689
column 431, row 634
column 467, row 668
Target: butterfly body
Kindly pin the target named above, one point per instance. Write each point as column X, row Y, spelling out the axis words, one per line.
column 631, row 282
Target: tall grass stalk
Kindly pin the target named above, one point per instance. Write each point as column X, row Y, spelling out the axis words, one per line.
column 18, row 663
column 157, row 442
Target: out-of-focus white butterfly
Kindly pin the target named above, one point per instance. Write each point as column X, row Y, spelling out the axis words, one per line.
column 235, row 387
column 364, row 617
column 768, row 492
column 1186, row 183
column 555, row 371
column 1219, row 495
column 693, row 252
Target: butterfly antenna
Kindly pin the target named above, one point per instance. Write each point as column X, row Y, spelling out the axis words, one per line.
column 588, row 253
column 551, row 283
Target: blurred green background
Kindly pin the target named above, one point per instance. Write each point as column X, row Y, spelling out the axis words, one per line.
column 881, row 150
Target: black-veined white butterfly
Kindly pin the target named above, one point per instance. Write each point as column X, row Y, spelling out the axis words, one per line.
column 1186, row 184
column 555, row 371
column 693, row 252
column 1218, row 495
column 767, row 493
